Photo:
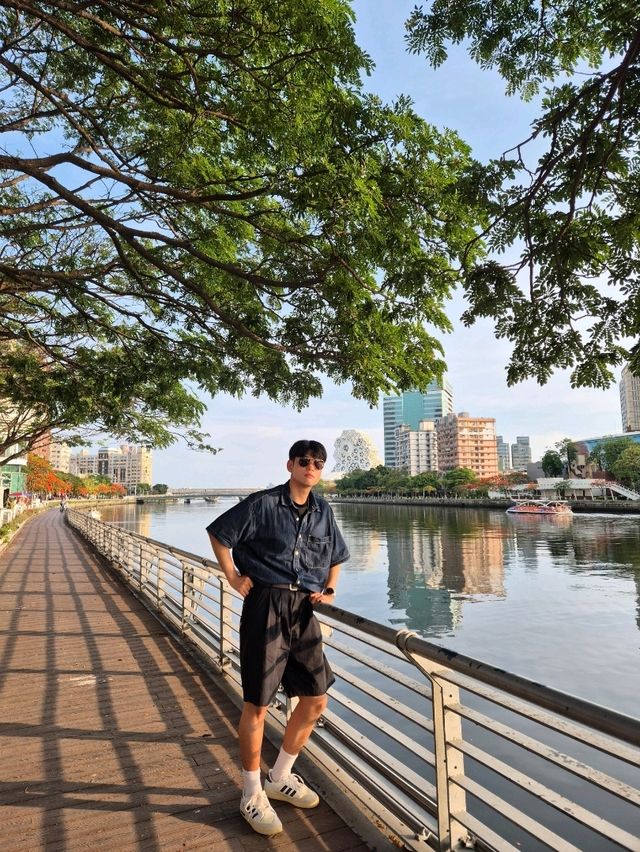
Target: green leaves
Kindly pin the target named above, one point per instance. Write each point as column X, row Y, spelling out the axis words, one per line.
column 571, row 213
column 207, row 196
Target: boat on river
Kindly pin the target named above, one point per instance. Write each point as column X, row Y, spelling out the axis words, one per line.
column 540, row 507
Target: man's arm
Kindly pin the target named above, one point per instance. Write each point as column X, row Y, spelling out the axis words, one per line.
column 239, row 582
column 331, row 583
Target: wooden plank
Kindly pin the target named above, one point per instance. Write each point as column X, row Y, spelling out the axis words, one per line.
column 110, row 737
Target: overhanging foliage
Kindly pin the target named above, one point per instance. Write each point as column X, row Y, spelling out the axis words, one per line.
column 199, row 196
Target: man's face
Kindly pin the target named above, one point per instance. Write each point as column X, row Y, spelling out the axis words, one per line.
column 304, row 471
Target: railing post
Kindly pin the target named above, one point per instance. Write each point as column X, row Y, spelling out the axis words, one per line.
column 159, row 581
column 449, row 763
column 225, row 626
column 187, row 597
column 447, row 728
column 145, row 565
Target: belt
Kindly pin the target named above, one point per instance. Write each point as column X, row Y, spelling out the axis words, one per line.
column 292, row 587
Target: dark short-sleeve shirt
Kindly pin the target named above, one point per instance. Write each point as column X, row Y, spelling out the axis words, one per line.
column 272, row 544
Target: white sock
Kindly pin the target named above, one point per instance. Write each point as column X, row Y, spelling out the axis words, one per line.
column 283, row 765
column 251, row 782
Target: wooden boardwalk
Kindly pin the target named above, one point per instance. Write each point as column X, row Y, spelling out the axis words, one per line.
column 110, row 737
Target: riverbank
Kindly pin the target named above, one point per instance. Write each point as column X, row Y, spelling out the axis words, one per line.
column 627, row 507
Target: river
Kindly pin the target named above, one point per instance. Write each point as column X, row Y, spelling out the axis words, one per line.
column 556, row 600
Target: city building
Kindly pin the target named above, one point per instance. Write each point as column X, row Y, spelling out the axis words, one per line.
column 416, row 449
column 465, row 441
column 58, row 455
column 521, row 453
column 535, row 471
column 354, row 450
column 504, row 454
column 630, row 400
column 409, row 408
column 12, row 469
column 129, row 465
column 12, row 478
column 581, row 466
column 83, row 463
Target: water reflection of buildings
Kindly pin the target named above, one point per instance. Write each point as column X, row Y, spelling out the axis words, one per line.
column 128, row 516
column 432, row 569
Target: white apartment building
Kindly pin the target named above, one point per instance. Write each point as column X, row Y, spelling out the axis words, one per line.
column 58, row 455
column 129, row 465
column 416, row 450
column 630, row 401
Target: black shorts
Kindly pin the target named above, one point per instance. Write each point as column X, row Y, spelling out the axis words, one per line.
column 281, row 642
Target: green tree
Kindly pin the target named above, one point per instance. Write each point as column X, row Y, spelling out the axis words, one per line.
column 452, row 480
column 566, row 198
column 160, row 488
column 552, row 463
column 606, row 453
column 568, row 452
column 626, row 468
column 202, row 197
column 428, row 481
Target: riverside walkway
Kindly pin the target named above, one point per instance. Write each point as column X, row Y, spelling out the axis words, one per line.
column 110, row 737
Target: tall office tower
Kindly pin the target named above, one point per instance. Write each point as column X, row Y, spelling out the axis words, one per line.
column 417, row 449
column 504, row 454
column 630, row 401
column 409, row 408
column 521, row 453
column 465, row 441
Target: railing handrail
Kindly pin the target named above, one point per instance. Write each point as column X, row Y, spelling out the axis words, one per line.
column 416, row 791
column 603, row 719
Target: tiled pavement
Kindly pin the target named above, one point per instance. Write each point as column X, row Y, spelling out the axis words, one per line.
column 110, row 737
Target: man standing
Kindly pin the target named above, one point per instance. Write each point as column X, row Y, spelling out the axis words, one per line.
column 287, row 551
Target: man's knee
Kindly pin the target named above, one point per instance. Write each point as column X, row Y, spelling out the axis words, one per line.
column 254, row 714
column 313, row 706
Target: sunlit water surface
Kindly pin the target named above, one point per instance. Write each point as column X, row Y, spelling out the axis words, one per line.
column 556, row 600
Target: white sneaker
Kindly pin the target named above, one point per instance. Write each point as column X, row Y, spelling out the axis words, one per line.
column 259, row 814
column 292, row 789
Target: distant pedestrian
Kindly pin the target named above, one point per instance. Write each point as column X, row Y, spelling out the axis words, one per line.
column 287, row 551
column 63, row 504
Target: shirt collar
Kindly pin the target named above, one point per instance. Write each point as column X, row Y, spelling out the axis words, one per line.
column 285, row 498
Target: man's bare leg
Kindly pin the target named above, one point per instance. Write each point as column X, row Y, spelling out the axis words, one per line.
column 251, row 733
column 281, row 782
column 306, row 713
column 254, row 805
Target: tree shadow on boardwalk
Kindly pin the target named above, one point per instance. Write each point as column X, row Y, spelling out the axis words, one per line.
column 110, row 737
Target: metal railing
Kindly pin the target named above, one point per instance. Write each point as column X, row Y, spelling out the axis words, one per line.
column 441, row 750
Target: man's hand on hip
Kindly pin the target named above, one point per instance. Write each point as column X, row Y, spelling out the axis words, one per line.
column 241, row 584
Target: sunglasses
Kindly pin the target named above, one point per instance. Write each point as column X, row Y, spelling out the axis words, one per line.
column 305, row 462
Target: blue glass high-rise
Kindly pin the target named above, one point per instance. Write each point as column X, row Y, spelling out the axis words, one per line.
column 411, row 407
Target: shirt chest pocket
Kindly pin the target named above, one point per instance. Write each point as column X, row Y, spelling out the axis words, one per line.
column 318, row 545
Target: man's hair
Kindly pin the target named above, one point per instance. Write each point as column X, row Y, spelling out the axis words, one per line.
column 308, row 448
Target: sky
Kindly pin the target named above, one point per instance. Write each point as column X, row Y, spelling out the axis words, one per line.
column 255, row 434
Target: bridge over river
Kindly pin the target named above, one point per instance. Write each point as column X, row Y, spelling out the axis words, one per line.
column 210, row 494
